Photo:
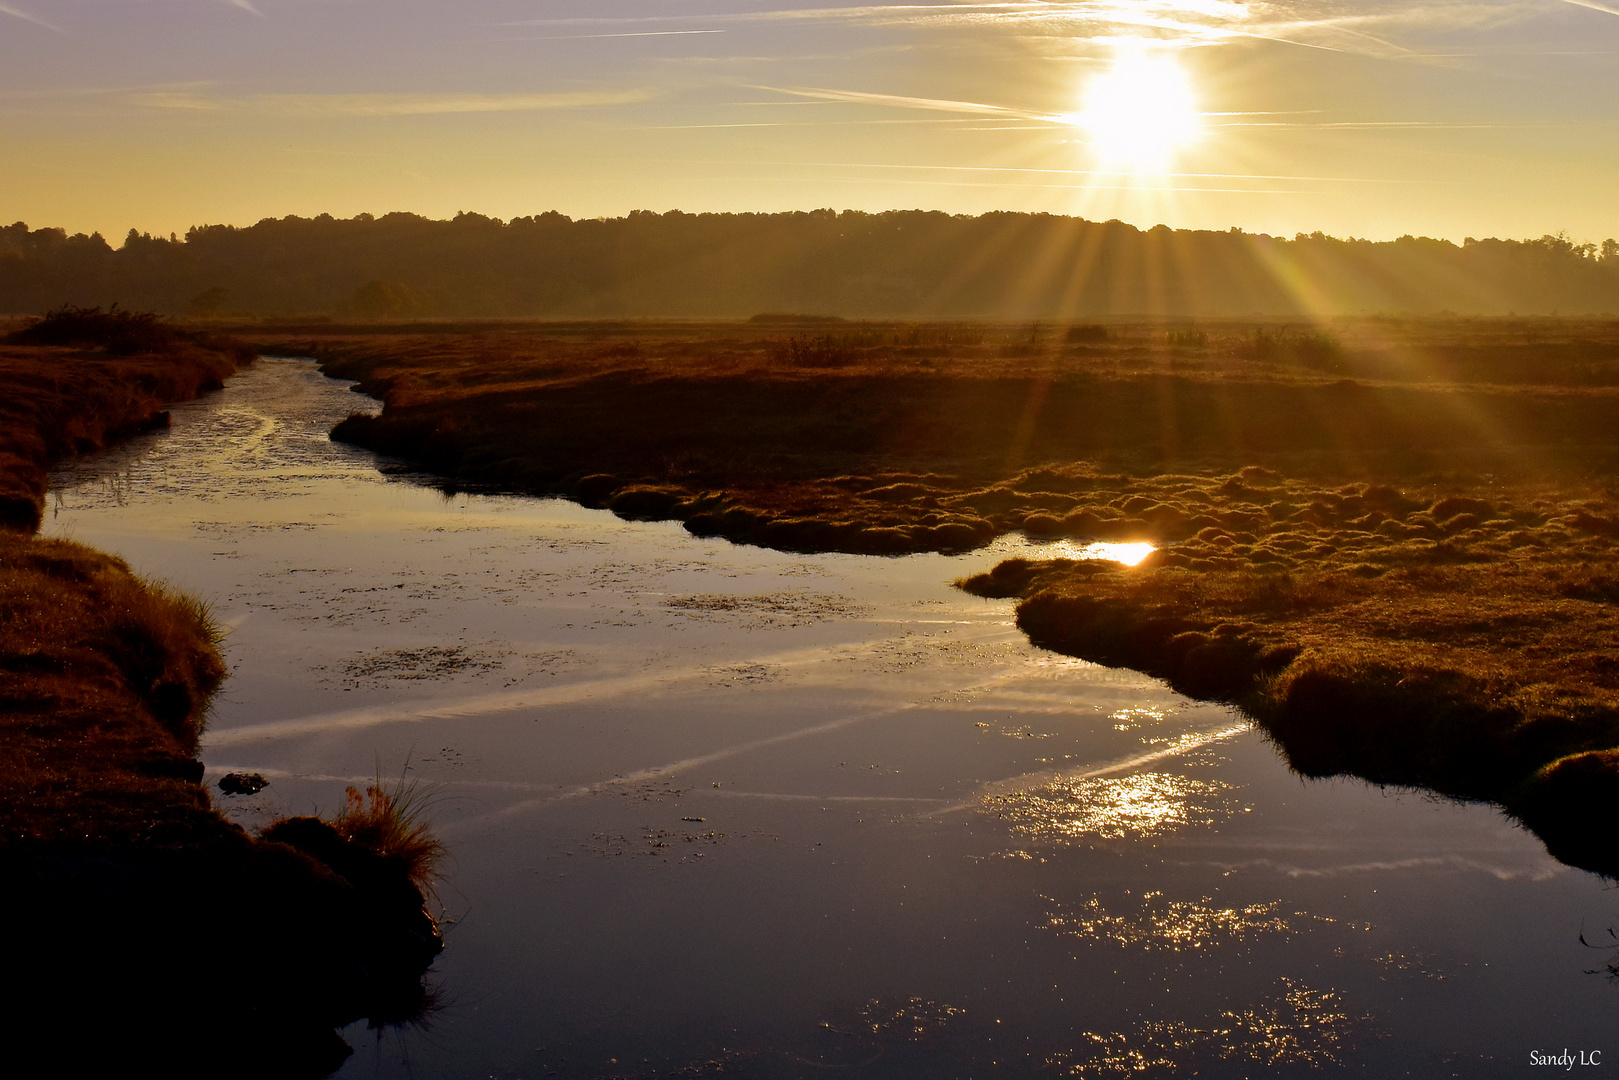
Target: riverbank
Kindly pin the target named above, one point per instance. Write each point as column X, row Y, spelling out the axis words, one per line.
column 116, row 862
column 1387, row 541
column 78, row 381
column 891, row 438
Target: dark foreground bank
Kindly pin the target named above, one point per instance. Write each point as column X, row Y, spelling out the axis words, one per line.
column 149, row 929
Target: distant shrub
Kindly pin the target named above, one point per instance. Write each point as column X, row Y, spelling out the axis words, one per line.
column 1309, row 348
column 1087, row 334
column 209, row 302
column 122, row 333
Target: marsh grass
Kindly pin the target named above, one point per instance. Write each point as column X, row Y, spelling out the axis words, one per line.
column 105, row 682
column 387, row 820
column 105, row 679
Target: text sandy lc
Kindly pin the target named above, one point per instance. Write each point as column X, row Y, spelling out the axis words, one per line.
column 1565, row 1058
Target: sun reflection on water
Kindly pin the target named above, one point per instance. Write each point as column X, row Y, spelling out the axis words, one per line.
column 1169, row 925
column 1129, row 554
column 1298, row 1026
column 1144, row 804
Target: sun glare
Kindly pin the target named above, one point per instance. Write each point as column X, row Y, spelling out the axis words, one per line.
column 1140, row 111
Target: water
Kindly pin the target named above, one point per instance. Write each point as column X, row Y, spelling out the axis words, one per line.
column 713, row 810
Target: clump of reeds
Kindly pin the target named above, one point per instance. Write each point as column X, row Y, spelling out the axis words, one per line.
column 388, row 823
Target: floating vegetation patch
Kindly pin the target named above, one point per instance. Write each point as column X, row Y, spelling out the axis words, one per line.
column 429, row 662
column 1415, row 965
column 1139, row 805
column 1298, row 1026
column 744, row 674
column 1169, row 925
column 771, row 609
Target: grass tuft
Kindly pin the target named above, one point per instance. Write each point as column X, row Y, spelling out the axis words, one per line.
column 388, row 822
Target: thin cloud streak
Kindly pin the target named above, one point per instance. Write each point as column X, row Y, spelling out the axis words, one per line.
column 631, row 34
column 389, row 104
column 1100, row 23
column 18, row 13
column 1146, row 188
column 862, row 97
column 1594, row 6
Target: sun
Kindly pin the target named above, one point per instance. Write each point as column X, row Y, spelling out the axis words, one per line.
column 1140, row 111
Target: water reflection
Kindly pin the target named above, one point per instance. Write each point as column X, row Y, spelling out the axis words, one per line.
column 1141, row 805
column 1172, row 925
column 1295, row 1026
column 1128, row 554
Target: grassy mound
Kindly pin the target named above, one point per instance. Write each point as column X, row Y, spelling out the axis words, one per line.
column 104, row 683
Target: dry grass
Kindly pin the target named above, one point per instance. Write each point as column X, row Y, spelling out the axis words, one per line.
column 104, row 678
column 104, row 685
column 388, row 822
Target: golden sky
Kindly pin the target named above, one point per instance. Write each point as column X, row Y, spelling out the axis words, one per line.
column 1367, row 118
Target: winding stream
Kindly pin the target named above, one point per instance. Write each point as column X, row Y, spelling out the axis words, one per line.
column 715, row 810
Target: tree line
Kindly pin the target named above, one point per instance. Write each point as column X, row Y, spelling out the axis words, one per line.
column 899, row 264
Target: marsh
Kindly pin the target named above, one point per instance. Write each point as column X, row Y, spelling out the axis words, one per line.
column 926, row 845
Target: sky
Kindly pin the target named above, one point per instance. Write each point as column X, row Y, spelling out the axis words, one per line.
column 1366, row 118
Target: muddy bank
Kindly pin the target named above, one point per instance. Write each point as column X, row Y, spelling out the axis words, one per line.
column 1455, row 643
column 150, row 919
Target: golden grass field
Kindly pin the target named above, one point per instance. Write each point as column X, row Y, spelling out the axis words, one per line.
column 1389, row 541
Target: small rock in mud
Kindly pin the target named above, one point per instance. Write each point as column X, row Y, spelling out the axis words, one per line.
column 238, row 783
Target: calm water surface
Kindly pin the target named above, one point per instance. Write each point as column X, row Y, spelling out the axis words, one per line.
column 713, row 810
